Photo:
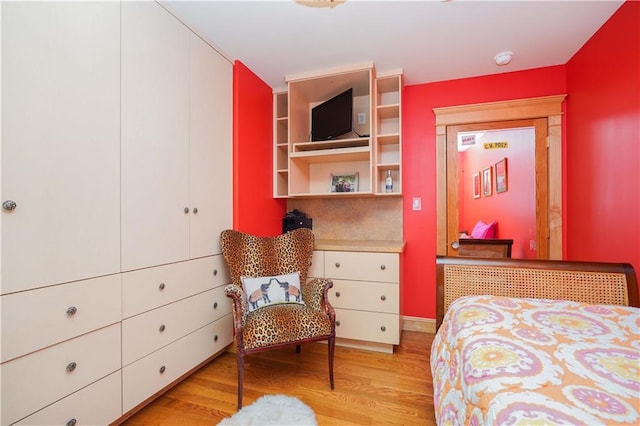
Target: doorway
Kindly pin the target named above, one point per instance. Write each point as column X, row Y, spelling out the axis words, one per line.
column 544, row 112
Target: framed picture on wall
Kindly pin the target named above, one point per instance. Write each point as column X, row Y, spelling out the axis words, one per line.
column 476, row 185
column 487, row 181
column 344, row 183
column 501, row 176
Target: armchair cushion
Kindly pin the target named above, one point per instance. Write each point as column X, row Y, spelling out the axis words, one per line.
column 283, row 323
column 265, row 291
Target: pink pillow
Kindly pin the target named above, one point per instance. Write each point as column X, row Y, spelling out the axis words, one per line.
column 484, row 230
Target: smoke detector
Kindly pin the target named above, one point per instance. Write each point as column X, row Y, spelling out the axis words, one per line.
column 503, row 58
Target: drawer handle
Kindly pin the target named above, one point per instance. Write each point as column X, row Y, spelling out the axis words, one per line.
column 337, row 323
column 161, row 286
column 215, row 272
column 186, row 210
column 71, row 311
column 162, row 327
column 383, row 297
column 215, row 338
column 162, row 369
column 337, row 294
column 71, row 366
column 215, row 305
column 337, row 264
column 383, row 328
column 72, row 422
column 195, row 210
column 383, row 267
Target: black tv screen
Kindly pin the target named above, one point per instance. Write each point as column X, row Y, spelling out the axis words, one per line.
column 332, row 118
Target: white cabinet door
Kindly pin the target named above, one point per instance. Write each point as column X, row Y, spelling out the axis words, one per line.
column 60, row 142
column 155, row 136
column 210, row 141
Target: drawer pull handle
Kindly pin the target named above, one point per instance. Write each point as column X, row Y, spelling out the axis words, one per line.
column 72, row 422
column 162, row 327
column 162, row 369
column 161, row 286
column 71, row 366
column 195, row 210
column 215, row 305
column 337, row 264
column 215, row 272
column 186, row 210
column 9, row 205
column 383, row 267
column 383, row 297
column 383, row 328
column 215, row 338
column 71, row 311
column 337, row 294
column 337, row 323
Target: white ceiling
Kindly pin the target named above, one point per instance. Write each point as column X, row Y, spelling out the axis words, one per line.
column 429, row 40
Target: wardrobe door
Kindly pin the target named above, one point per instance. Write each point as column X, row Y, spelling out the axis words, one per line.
column 60, row 142
column 210, row 141
column 155, row 136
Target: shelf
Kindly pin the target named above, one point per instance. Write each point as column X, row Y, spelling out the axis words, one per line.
column 389, row 166
column 332, row 144
column 333, row 155
column 389, row 111
column 389, row 139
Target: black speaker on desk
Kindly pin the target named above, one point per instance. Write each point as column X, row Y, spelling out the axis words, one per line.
column 296, row 219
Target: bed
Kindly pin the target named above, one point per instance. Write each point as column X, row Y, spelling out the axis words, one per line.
column 536, row 342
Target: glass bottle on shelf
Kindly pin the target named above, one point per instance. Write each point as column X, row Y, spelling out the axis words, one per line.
column 388, row 182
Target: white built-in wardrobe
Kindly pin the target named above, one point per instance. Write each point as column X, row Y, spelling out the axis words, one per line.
column 116, row 164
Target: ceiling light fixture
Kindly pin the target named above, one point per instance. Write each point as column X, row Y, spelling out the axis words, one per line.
column 320, row 3
column 503, row 58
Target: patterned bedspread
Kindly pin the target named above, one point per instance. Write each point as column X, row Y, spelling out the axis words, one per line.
column 504, row 361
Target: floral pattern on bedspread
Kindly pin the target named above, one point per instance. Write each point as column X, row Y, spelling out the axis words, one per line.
column 506, row 361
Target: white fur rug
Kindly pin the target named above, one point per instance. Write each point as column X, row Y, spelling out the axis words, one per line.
column 276, row 410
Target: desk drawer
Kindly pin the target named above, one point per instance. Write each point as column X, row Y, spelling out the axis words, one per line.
column 152, row 330
column 368, row 326
column 150, row 374
column 36, row 380
column 365, row 296
column 150, row 288
column 35, row 319
column 362, row 266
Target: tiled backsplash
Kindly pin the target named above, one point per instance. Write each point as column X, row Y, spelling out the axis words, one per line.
column 375, row 218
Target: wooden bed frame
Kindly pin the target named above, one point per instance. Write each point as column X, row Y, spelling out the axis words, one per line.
column 588, row 282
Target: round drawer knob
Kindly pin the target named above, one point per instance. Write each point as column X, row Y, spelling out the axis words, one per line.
column 71, row 311
column 337, row 294
column 338, row 323
column 383, row 297
column 215, row 272
column 161, row 286
column 162, row 327
column 71, row 366
column 337, row 264
column 383, row 328
column 186, row 210
column 195, row 210
column 215, row 338
column 215, row 305
column 162, row 369
column 72, row 422
column 383, row 267
column 9, row 205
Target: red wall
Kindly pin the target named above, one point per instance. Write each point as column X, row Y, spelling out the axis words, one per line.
column 419, row 164
column 513, row 210
column 603, row 140
column 254, row 208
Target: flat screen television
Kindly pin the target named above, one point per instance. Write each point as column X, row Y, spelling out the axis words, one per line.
column 332, row 118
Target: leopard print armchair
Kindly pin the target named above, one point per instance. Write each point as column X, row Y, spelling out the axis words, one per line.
column 277, row 325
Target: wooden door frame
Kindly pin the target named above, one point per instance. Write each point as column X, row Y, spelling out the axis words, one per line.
column 549, row 107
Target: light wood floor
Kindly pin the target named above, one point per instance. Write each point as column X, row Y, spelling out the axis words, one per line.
column 370, row 388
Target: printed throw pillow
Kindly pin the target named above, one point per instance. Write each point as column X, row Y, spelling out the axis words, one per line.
column 265, row 291
column 484, row 230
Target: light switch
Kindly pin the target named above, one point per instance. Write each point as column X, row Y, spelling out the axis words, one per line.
column 362, row 118
column 417, row 203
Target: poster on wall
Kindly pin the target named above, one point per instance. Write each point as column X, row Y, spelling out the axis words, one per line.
column 476, row 185
column 487, row 182
column 501, row 176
